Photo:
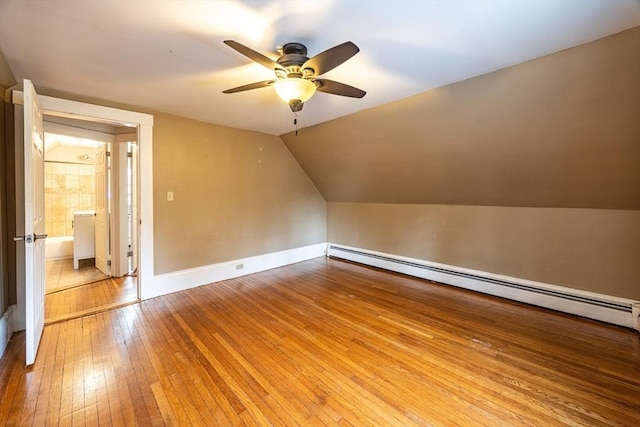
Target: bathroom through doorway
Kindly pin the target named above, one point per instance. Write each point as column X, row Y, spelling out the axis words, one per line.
column 91, row 183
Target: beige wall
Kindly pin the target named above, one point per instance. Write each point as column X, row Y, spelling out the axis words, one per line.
column 6, row 76
column 597, row 250
column 558, row 131
column 421, row 177
column 6, row 294
column 237, row 194
column 4, row 274
column 531, row 172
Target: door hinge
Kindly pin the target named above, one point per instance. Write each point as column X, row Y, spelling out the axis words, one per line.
column 130, row 253
column 108, row 263
column 107, row 153
column 129, row 154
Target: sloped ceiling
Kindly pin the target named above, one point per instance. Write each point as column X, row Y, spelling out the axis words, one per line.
column 168, row 55
column 558, row 131
column 462, row 105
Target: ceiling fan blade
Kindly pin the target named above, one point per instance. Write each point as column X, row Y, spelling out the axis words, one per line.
column 256, row 85
column 252, row 54
column 336, row 88
column 331, row 58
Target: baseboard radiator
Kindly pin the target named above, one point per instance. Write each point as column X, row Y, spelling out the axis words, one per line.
column 601, row 307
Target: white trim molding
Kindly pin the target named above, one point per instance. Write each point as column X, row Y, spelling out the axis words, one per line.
column 6, row 328
column 193, row 277
column 144, row 124
column 610, row 309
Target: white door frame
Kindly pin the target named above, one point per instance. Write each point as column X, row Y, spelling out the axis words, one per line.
column 144, row 124
column 119, row 192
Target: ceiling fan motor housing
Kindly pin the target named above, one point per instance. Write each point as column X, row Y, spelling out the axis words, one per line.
column 293, row 56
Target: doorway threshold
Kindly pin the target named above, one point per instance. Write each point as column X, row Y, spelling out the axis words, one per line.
column 89, row 312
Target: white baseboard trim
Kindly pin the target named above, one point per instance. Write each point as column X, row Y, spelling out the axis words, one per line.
column 6, row 328
column 184, row 279
column 610, row 309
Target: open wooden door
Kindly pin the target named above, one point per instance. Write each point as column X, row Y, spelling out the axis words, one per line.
column 102, row 211
column 34, row 221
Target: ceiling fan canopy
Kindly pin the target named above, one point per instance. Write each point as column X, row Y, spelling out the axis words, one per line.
column 296, row 74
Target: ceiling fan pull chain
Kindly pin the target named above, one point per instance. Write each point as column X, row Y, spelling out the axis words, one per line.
column 295, row 122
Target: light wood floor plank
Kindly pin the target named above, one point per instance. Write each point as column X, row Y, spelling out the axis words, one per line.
column 89, row 298
column 60, row 274
column 323, row 342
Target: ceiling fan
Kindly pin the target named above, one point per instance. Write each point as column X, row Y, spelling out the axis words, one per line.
column 296, row 74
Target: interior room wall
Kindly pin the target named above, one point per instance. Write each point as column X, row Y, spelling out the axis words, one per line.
column 531, row 171
column 236, row 194
column 6, row 80
column 557, row 131
column 4, row 274
column 595, row 250
column 69, row 154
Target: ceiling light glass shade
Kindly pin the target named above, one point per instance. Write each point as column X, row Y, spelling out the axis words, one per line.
column 295, row 89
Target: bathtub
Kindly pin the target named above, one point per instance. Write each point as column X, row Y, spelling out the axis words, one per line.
column 58, row 248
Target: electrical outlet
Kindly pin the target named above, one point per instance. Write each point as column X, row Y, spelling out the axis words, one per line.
column 169, row 196
column 239, row 266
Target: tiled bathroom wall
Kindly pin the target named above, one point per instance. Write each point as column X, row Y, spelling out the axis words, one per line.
column 68, row 187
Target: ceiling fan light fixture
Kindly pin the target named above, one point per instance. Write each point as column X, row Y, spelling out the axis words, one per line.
column 295, row 89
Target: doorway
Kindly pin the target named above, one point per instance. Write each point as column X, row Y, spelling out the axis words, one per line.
column 143, row 123
column 29, row 186
column 91, row 217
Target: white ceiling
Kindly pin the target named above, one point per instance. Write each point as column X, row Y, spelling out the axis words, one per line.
column 168, row 55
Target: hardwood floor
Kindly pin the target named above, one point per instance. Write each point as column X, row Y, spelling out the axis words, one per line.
column 60, row 274
column 325, row 342
column 89, row 298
